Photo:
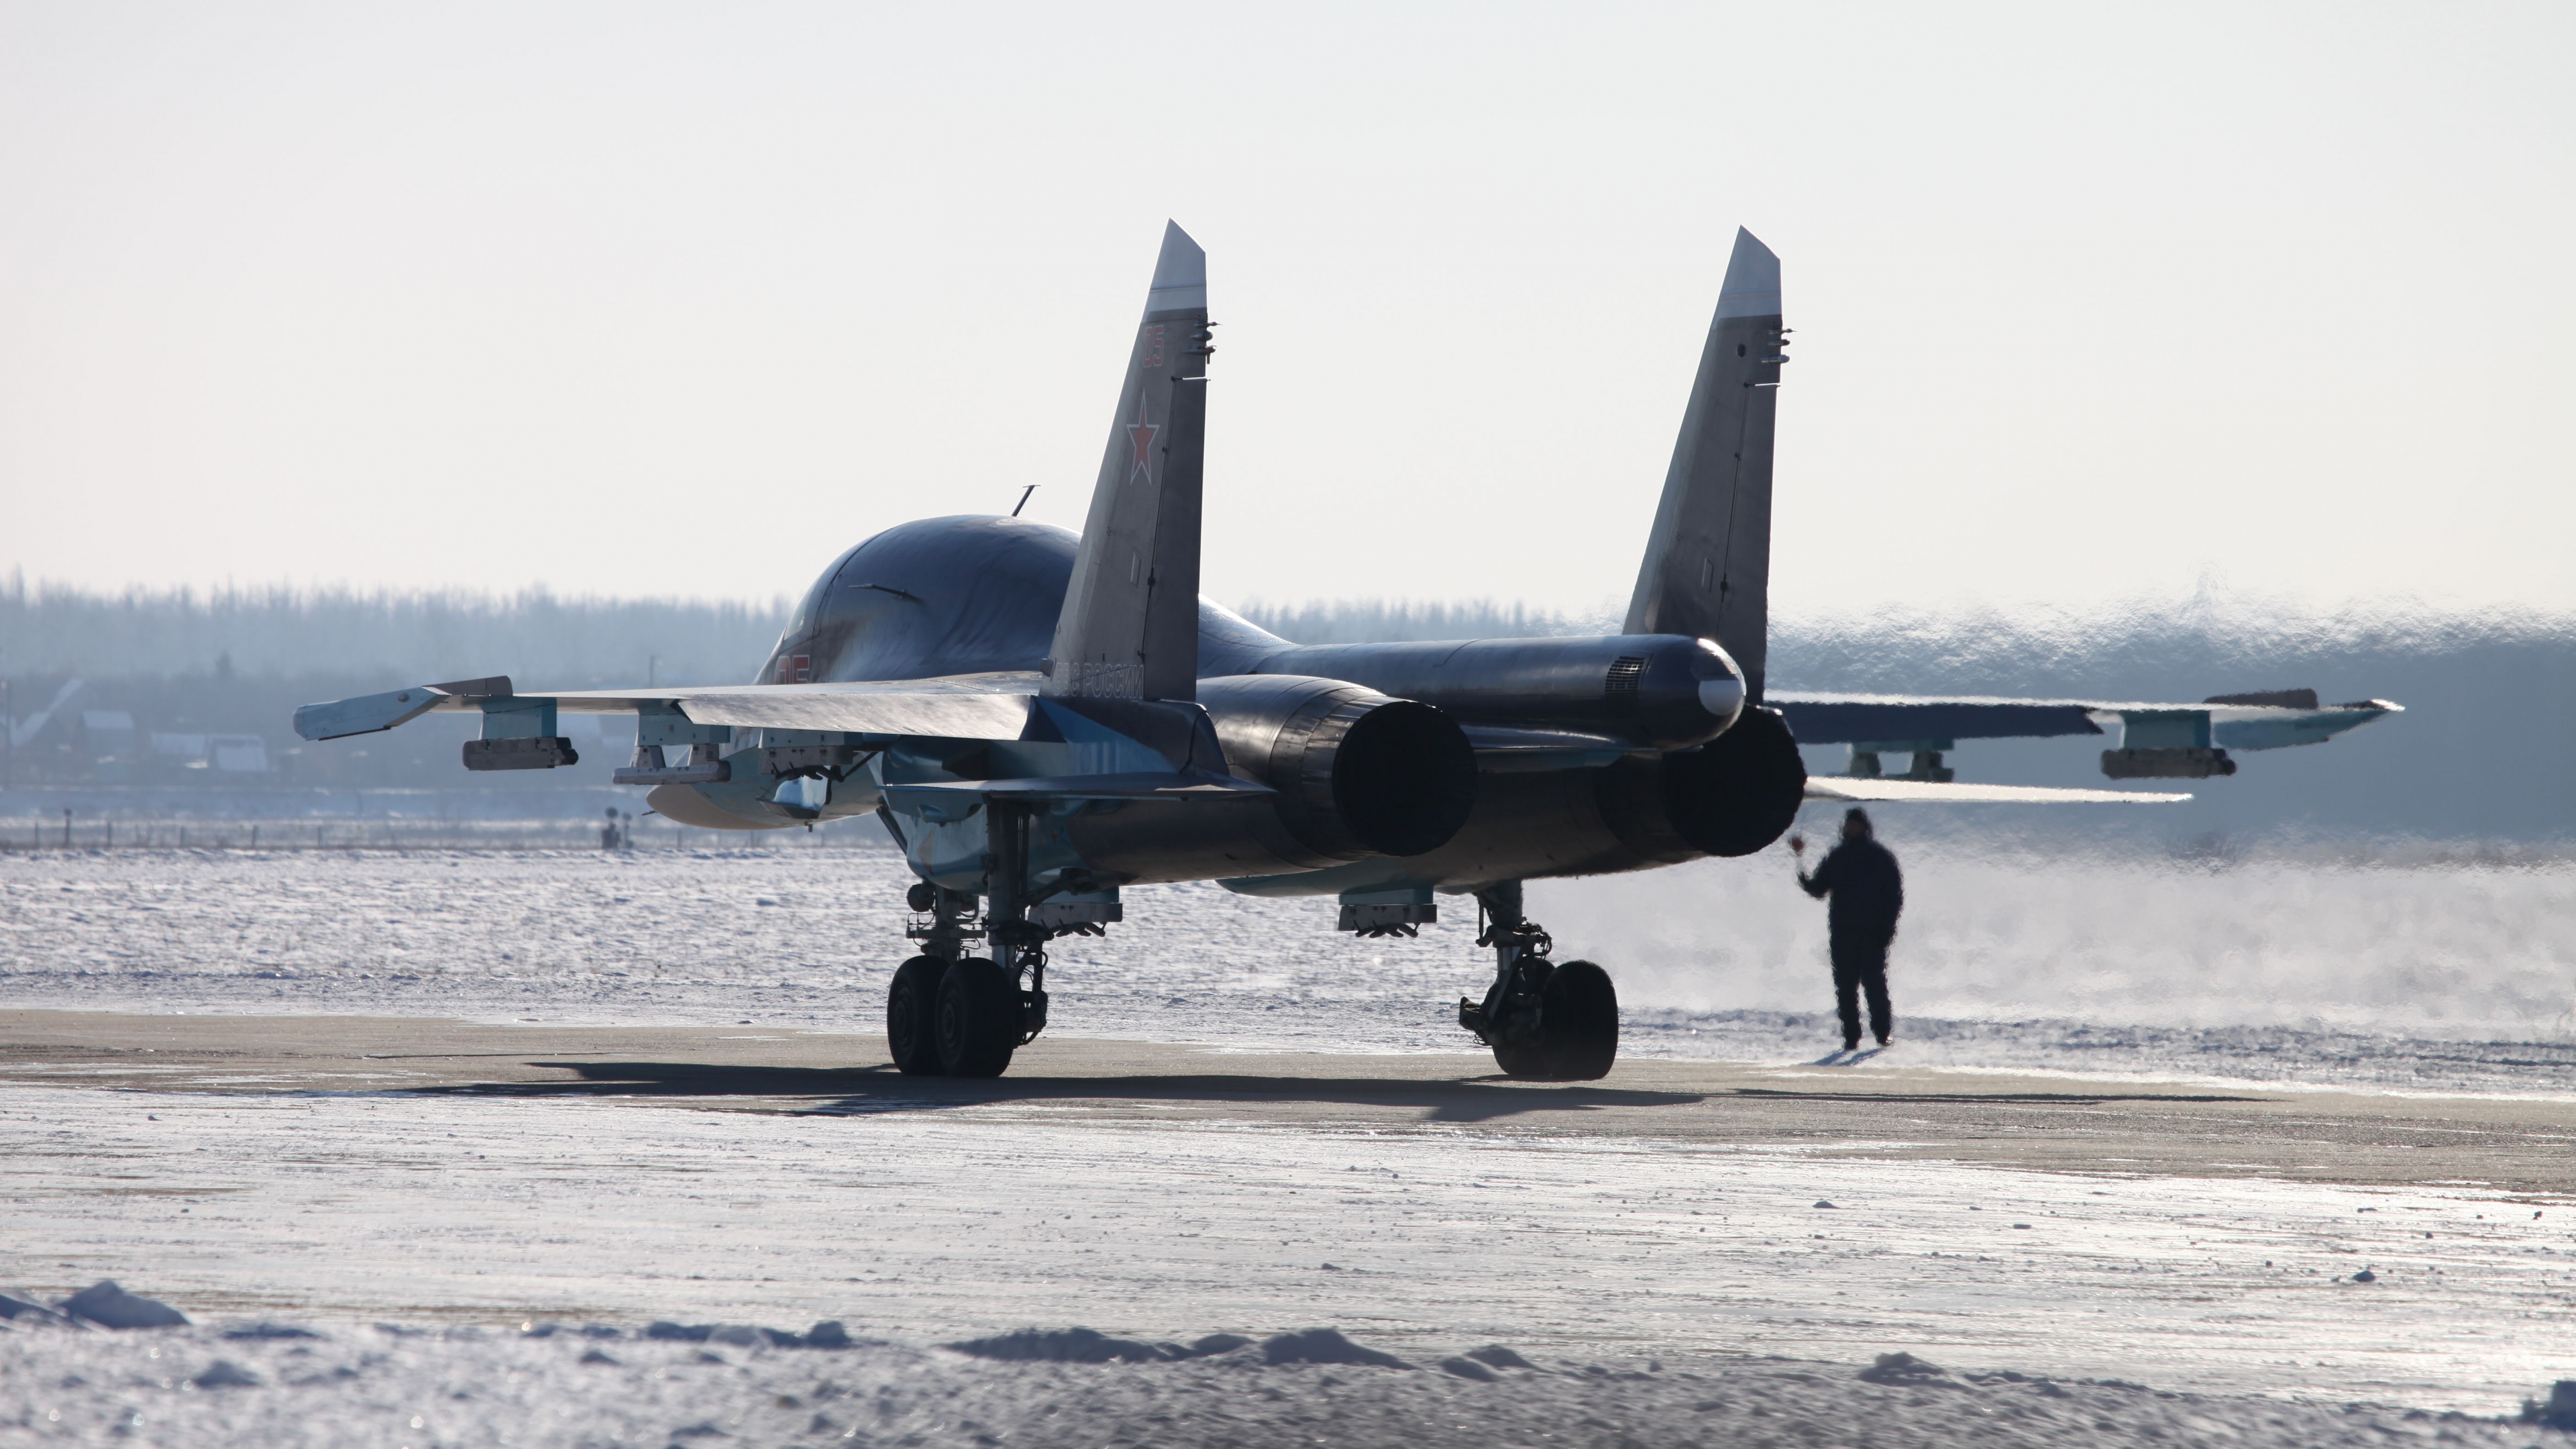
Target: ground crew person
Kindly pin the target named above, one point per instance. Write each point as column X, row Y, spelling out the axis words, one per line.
column 1868, row 894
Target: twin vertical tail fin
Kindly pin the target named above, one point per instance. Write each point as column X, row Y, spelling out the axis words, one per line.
column 1130, row 626
column 1707, row 571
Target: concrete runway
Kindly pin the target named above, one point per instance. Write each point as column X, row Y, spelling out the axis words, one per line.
column 2001, row 1120
column 361, row 1168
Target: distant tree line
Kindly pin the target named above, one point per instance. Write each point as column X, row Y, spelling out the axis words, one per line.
column 1367, row 621
column 2484, row 750
column 533, row 636
column 163, row 672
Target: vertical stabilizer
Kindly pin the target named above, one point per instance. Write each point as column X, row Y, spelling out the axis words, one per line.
column 1130, row 627
column 1708, row 562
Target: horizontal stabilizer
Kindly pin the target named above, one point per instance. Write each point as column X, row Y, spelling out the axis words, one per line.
column 965, row 716
column 1843, row 787
column 1140, row 785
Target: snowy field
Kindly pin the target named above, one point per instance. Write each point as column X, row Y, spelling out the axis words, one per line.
column 2444, row 977
column 1667, row 1292
column 439, row 1214
column 477, row 1388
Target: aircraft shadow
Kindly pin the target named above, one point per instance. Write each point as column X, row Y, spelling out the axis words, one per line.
column 2046, row 1099
column 844, row 1091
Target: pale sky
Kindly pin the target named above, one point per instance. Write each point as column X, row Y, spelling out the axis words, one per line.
column 2092, row 301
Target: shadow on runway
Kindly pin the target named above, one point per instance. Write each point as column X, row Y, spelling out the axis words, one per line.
column 845, row 1091
column 2044, row 1099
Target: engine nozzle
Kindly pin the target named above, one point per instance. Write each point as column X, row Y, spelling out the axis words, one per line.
column 1358, row 773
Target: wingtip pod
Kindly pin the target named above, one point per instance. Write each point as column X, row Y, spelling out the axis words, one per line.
column 1180, row 273
column 1752, row 287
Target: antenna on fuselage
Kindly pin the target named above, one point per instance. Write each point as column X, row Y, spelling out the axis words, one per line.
column 1024, row 500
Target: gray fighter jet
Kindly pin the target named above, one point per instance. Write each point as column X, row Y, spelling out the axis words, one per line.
column 1041, row 720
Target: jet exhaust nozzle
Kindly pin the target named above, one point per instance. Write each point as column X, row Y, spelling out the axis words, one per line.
column 1731, row 796
column 1358, row 773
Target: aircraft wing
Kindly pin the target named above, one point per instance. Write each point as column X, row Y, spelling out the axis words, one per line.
column 961, row 706
column 2155, row 740
column 2242, row 722
column 1934, row 792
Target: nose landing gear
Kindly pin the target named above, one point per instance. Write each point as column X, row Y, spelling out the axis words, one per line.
column 1546, row 1021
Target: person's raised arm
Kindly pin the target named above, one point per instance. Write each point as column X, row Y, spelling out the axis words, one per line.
column 1818, row 884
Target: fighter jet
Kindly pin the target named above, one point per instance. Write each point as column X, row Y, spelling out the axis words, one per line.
column 1041, row 719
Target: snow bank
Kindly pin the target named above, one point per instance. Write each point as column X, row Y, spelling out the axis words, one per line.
column 207, row 1388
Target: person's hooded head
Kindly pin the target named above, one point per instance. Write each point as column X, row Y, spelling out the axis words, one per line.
column 1856, row 825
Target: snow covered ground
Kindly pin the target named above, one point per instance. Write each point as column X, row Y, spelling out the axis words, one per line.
column 475, row 1388
column 925, row 1226
column 2457, row 977
column 1712, row 1272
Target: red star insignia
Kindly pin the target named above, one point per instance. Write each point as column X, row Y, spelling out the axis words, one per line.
column 1141, row 433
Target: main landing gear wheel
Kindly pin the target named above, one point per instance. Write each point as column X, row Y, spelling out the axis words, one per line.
column 1572, row 1036
column 1578, row 1023
column 978, row 1020
column 912, row 1016
column 1546, row 1022
column 1514, row 1033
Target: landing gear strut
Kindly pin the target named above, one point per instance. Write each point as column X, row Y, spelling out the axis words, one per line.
column 954, row 1014
column 1546, row 1021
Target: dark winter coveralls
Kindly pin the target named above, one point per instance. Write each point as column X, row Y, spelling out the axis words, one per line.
column 1868, row 894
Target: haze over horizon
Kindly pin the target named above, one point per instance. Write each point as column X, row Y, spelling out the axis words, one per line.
column 643, row 301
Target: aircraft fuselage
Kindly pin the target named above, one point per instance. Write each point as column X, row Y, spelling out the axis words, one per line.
column 1594, row 750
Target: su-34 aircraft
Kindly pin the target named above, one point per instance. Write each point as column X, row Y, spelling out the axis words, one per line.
column 1041, row 719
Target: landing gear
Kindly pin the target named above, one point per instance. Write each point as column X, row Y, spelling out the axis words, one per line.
column 1547, row 1022
column 912, row 1016
column 979, row 1019
column 955, row 1014
column 961, row 1018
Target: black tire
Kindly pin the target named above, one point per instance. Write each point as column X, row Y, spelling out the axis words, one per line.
column 1579, row 1023
column 1518, row 1050
column 979, row 1019
column 912, row 1016
column 1524, row 1060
